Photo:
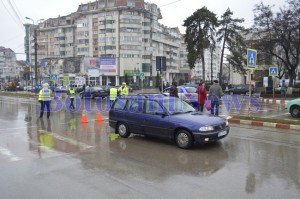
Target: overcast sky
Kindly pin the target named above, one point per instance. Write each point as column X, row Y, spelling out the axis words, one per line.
column 13, row 13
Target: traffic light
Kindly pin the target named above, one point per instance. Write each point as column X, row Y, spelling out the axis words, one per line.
column 161, row 63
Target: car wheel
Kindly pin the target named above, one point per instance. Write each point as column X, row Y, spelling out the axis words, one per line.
column 183, row 139
column 123, row 130
column 295, row 111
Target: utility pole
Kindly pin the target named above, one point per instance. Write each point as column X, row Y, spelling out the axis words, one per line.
column 35, row 56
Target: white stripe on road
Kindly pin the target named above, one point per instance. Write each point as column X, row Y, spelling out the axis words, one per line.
column 12, row 157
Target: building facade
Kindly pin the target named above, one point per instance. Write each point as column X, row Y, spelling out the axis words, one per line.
column 9, row 69
column 113, row 39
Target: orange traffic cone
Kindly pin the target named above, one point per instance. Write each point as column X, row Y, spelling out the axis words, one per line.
column 83, row 118
column 99, row 117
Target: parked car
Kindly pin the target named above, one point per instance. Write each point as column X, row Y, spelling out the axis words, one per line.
column 165, row 117
column 134, row 86
column 62, row 89
column 239, row 89
column 191, row 85
column 293, row 107
column 27, row 88
column 188, row 94
column 93, row 92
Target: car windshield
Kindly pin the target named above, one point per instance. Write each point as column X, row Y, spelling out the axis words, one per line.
column 177, row 106
column 191, row 89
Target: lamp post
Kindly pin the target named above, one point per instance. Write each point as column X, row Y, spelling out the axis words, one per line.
column 35, row 48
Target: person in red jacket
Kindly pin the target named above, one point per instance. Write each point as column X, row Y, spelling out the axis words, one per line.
column 201, row 96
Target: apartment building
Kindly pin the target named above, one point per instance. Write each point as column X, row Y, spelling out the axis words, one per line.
column 8, row 65
column 113, row 39
column 212, row 66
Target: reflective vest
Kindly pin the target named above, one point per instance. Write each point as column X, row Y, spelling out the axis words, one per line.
column 45, row 94
column 72, row 93
column 113, row 92
column 123, row 91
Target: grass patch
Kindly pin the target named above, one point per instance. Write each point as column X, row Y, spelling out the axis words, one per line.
column 271, row 120
column 13, row 94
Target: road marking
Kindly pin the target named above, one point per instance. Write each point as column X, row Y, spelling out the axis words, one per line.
column 12, row 157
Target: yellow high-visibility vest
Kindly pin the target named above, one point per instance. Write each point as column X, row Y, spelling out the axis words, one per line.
column 72, row 93
column 45, row 94
column 123, row 91
column 113, row 92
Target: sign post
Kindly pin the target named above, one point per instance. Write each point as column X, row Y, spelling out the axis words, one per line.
column 161, row 65
column 142, row 77
column 251, row 65
column 273, row 71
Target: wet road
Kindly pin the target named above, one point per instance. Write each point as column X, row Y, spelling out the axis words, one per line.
column 62, row 158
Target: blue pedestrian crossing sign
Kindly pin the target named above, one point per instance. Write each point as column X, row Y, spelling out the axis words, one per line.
column 142, row 75
column 273, row 71
column 251, row 59
column 53, row 77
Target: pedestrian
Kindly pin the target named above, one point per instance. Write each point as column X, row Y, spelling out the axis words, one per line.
column 123, row 90
column 283, row 89
column 201, row 91
column 215, row 93
column 168, row 85
column 72, row 93
column 45, row 96
column 113, row 93
column 173, row 91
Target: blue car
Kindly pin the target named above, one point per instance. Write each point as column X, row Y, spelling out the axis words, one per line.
column 188, row 94
column 165, row 117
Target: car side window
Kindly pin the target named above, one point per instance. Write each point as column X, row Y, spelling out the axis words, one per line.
column 153, row 107
column 136, row 106
column 120, row 104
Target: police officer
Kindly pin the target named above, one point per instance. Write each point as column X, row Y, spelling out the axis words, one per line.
column 123, row 90
column 71, row 92
column 113, row 93
column 45, row 98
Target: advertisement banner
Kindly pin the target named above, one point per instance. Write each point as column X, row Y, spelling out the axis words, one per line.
column 108, row 66
column 71, row 65
column 91, row 63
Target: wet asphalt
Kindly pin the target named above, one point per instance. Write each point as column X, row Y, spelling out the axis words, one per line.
column 64, row 158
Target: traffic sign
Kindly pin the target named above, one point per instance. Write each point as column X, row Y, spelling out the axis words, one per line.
column 251, row 59
column 142, row 75
column 273, row 71
column 53, row 77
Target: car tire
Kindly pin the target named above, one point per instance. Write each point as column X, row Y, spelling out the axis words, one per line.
column 184, row 139
column 123, row 130
column 295, row 111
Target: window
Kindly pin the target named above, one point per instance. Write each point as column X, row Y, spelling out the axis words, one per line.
column 153, row 107
column 146, row 31
column 136, row 106
column 120, row 104
column 146, row 23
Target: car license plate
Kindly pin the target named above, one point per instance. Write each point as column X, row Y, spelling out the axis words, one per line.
column 222, row 133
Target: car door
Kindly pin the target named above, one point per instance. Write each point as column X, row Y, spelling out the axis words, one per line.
column 135, row 115
column 156, row 121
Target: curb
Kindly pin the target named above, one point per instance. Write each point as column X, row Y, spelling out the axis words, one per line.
column 274, row 101
column 264, row 124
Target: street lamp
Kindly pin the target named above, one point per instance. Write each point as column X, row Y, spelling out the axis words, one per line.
column 35, row 48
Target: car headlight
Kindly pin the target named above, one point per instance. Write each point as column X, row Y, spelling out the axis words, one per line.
column 206, row 128
column 227, row 123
